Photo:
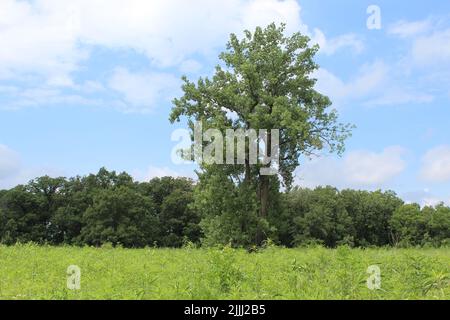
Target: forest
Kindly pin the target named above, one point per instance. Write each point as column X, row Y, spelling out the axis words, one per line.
column 265, row 81
column 112, row 208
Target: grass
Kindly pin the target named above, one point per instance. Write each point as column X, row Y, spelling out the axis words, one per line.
column 40, row 272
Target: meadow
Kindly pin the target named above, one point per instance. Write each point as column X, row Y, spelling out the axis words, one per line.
column 29, row 271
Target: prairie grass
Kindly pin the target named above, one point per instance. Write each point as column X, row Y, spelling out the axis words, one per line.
column 39, row 272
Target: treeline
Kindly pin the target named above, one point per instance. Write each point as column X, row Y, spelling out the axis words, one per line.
column 98, row 209
column 112, row 208
column 360, row 218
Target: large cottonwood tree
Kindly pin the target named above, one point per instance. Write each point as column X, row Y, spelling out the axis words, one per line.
column 265, row 82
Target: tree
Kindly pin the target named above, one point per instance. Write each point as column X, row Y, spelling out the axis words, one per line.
column 438, row 224
column 266, row 84
column 322, row 217
column 172, row 198
column 408, row 225
column 371, row 213
column 49, row 193
column 120, row 216
column 21, row 217
column 67, row 220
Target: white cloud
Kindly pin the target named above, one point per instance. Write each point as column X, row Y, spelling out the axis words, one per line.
column 368, row 81
column 436, row 164
column 36, row 38
column 9, row 162
column 50, row 37
column 375, row 84
column 13, row 172
column 46, row 96
column 429, row 40
column 432, row 49
column 46, row 41
column 331, row 46
column 398, row 96
column 424, row 198
column 425, row 64
column 159, row 172
column 406, row 29
column 142, row 91
column 190, row 66
column 359, row 169
column 370, row 168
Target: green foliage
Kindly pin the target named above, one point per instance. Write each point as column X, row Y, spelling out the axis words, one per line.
column 171, row 212
column 413, row 226
column 358, row 218
column 324, row 218
column 228, row 211
column 224, row 271
column 408, row 225
column 98, row 209
column 370, row 213
column 120, row 216
column 172, row 198
column 266, row 82
column 39, row 272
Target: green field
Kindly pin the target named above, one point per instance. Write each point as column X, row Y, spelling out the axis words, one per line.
column 37, row 272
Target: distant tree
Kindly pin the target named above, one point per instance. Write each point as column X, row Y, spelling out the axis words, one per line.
column 105, row 179
column 295, row 203
column 22, row 218
column 49, row 193
column 67, row 220
column 408, row 225
column 172, row 198
column 438, row 225
column 371, row 213
column 324, row 219
column 110, row 207
column 120, row 216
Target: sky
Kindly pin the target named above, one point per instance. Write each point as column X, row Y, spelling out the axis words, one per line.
column 89, row 83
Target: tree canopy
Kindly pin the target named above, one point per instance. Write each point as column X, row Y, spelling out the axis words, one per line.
column 111, row 208
column 265, row 83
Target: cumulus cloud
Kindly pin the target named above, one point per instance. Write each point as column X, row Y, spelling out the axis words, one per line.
column 359, row 169
column 141, row 91
column 52, row 37
column 48, row 41
column 375, row 84
column 371, row 168
column 406, row 29
column 368, row 81
column 13, row 172
column 331, row 46
column 9, row 162
column 429, row 40
column 398, row 96
column 436, row 164
column 433, row 49
column 37, row 38
column 190, row 66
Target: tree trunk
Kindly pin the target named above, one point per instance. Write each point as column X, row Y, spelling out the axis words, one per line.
column 247, row 177
column 264, row 196
column 264, row 189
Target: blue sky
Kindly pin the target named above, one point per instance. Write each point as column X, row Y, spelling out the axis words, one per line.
column 86, row 84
